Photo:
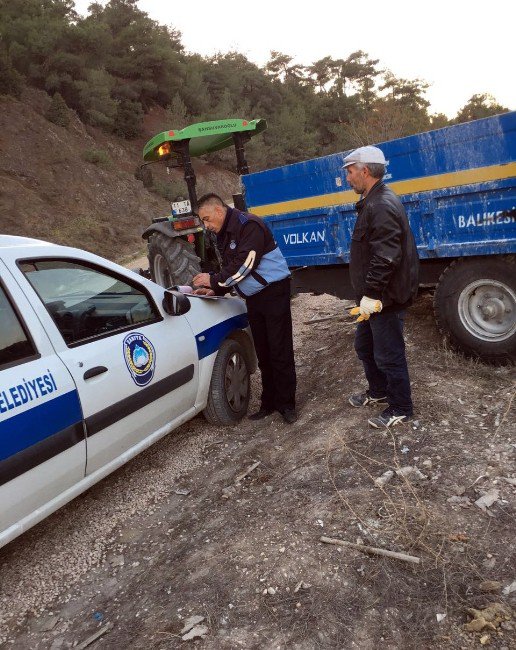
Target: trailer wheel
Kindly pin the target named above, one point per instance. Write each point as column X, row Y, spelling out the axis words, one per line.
column 475, row 307
column 172, row 260
column 228, row 397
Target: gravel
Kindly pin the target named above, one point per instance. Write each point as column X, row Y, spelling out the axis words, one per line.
column 51, row 558
column 47, row 561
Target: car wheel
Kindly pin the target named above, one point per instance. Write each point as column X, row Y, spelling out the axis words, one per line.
column 172, row 260
column 475, row 307
column 229, row 392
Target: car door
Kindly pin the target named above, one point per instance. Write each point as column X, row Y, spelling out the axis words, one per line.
column 136, row 368
column 42, row 441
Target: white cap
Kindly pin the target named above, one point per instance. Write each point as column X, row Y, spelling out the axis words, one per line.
column 365, row 155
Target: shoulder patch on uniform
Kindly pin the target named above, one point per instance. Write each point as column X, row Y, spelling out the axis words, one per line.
column 242, row 217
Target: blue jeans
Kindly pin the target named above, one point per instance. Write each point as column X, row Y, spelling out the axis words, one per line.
column 380, row 346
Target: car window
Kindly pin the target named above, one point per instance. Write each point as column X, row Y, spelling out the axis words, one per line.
column 86, row 302
column 15, row 346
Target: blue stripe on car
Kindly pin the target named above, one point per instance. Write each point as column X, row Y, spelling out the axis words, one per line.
column 40, row 422
column 209, row 341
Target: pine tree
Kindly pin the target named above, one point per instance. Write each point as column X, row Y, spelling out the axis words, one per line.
column 478, row 106
column 58, row 111
column 128, row 119
column 11, row 82
column 177, row 114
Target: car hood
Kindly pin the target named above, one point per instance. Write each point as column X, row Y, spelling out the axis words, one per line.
column 207, row 313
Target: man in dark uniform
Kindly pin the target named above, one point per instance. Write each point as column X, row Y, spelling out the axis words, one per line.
column 254, row 266
column 384, row 270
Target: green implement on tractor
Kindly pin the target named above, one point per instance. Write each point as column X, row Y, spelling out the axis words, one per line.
column 178, row 246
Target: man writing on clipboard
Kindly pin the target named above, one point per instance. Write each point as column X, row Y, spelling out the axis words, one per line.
column 254, row 266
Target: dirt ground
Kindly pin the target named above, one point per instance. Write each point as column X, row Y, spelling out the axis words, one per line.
column 174, row 534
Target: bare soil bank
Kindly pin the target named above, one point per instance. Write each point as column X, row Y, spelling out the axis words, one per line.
column 50, row 190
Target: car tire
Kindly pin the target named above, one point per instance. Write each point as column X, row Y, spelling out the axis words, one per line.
column 475, row 307
column 228, row 397
column 172, row 260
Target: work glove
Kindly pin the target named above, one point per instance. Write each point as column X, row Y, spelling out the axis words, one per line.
column 367, row 307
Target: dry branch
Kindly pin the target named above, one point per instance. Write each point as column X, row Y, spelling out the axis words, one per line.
column 324, row 318
column 371, row 550
column 504, row 415
column 242, row 476
column 91, row 639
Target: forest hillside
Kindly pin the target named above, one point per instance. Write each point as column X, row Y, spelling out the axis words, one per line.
column 79, row 96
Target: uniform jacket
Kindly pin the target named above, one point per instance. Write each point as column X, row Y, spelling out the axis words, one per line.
column 251, row 258
column 384, row 263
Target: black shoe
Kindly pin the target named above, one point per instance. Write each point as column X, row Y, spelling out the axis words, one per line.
column 388, row 419
column 364, row 399
column 289, row 415
column 262, row 413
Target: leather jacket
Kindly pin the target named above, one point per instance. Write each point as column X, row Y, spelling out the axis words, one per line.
column 384, row 263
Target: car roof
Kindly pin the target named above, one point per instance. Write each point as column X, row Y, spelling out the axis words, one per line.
column 12, row 241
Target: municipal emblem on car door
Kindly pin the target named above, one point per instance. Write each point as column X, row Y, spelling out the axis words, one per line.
column 140, row 358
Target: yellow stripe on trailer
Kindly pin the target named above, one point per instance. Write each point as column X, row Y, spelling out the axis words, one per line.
column 412, row 186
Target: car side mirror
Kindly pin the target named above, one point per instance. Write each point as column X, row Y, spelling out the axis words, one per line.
column 175, row 303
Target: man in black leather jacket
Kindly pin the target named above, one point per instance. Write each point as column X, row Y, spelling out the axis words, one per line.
column 384, row 269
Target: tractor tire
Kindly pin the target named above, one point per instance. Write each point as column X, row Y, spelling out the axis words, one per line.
column 228, row 397
column 475, row 307
column 172, row 260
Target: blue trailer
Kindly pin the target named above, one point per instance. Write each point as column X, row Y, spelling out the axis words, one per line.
column 458, row 185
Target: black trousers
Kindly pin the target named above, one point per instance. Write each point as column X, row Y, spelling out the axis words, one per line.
column 380, row 346
column 271, row 325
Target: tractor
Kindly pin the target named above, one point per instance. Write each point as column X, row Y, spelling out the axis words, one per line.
column 179, row 247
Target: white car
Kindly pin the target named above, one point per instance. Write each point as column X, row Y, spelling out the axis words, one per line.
column 96, row 364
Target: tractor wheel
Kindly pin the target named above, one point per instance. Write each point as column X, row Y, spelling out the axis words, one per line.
column 172, row 260
column 475, row 307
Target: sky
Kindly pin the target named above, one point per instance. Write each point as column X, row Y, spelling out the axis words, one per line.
column 460, row 47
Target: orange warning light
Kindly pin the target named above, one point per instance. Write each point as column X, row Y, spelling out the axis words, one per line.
column 164, row 150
